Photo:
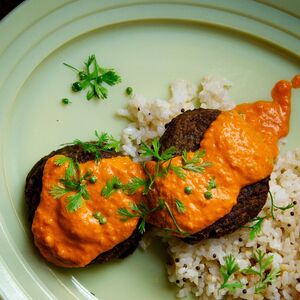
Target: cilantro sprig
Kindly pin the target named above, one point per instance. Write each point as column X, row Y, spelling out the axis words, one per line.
column 265, row 277
column 93, row 77
column 111, row 186
column 104, row 142
column 227, row 270
column 178, row 229
column 180, row 206
column 154, row 151
column 195, row 164
column 140, row 210
column 130, row 188
column 134, row 184
column 74, row 182
column 257, row 222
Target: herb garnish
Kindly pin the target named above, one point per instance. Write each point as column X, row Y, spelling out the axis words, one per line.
column 130, row 188
column 180, row 206
column 140, row 210
column 134, row 184
column 178, row 228
column 255, row 228
column 93, row 77
column 160, row 171
column 72, row 182
column 282, row 208
column 227, row 270
column 265, row 278
column 153, row 151
column 111, row 186
column 105, row 142
column 195, row 164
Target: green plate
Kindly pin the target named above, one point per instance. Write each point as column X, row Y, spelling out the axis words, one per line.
column 150, row 43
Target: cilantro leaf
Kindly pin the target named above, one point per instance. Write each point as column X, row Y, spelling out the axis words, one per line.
column 71, row 182
column 111, row 186
column 226, row 271
column 261, row 270
column 140, row 210
column 134, row 184
column 74, row 202
column 180, row 206
column 153, row 151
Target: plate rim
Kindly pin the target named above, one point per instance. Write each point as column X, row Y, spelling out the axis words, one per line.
column 10, row 18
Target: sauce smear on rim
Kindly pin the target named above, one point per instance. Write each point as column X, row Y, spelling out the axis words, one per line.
column 74, row 239
column 240, row 149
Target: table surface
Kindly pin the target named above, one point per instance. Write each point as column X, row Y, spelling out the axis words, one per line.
column 8, row 5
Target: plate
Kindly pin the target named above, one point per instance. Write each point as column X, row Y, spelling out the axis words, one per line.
column 150, row 43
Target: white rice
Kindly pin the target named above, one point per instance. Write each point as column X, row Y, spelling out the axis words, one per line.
column 279, row 237
column 196, row 268
column 148, row 118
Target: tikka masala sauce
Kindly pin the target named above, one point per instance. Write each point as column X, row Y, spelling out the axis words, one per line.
column 74, row 239
column 241, row 147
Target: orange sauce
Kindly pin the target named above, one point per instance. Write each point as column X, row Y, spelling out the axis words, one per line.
column 296, row 82
column 75, row 239
column 242, row 146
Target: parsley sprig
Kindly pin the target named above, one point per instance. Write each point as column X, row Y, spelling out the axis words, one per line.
column 74, row 182
column 105, row 142
column 265, row 277
column 93, row 77
column 227, row 270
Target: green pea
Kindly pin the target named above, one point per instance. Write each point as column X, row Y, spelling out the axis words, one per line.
column 65, row 101
column 208, row 195
column 188, row 190
column 76, row 86
column 97, row 215
column 129, row 91
column 93, row 179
